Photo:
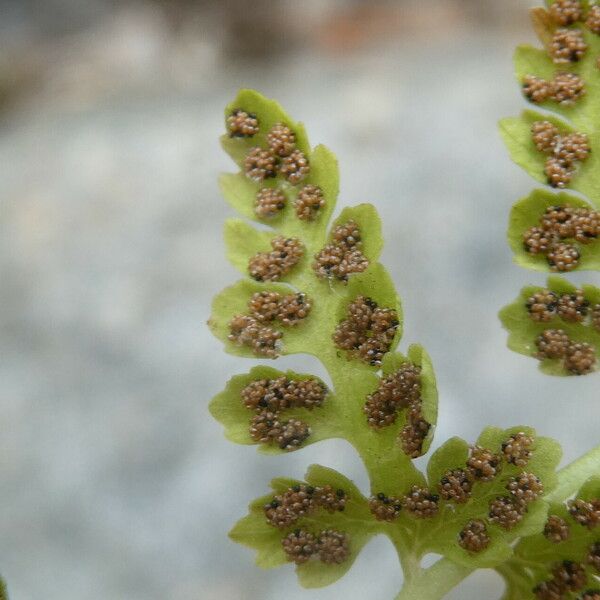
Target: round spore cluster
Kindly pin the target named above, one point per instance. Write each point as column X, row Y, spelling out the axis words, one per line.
column 269, row 202
column 456, row 485
column 483, row 464
column 567, row 46
column 299, row 546
column 368, row 331
column 309, row 201
column 415, row 431
column 596, row 317
column 517, row 449
column 245, row 330
column 242, row 124
column 558, row 233
column 268, row 399
column 272, row 266
column 506, row 512
column 342, row 256
column 556, row 529
column 593, row 557
column 330, row 546
column 542, row 306
column 525, row 488
column 385, row 508
column 421, row 503
column 566, row 12
column 585, row 512
column 395, row 392
column 474, row 537
column 564, row 151
column 302, row 500
column 593, row 19
column 268, row 428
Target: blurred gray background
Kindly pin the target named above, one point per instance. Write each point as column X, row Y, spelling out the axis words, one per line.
column 115, row 482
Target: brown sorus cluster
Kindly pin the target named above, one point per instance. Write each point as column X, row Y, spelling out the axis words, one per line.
column 334, row 547
column 564, row 151
column 294, row 167
column 565, row 88
column 596, row 317
column 548, row 590
column 573, row 307
column 260, row 164
column 506, row 512
column 293, row 308
column 552, row 343
column 563, row 257
column 269, row 202
column 394, row 393
column 421, row 503
column 567, row 577
column 299, row 546
column 291, row 434
column 591, row 595
column 300, row 500
column 567, row 46
column 538, row 241
column 517, row 449
column 593, row 557
column 285, row 509
column 331, row 546
column 585, row 512
column 525, row 488
column 268, row 428
column 330, row 499
column 290, row 309
column 593, row 19
column 309, row 201
column 342, row 257
column 385, row 508
column 281, row 140
column 283, row 393
column 262, row 340
column 566, row 12
column 456, row 486
column 556, row 529
column 415, row 431
column 580, row 358
column 242, row 124
column 545, row 136
column 367, row 332
column 542, row 306
column 474, row 536
column 483, row 464
column 271, row 266
column 570, row 576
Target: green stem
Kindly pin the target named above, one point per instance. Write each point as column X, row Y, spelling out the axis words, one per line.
column 435, row 582
column 574, row 475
